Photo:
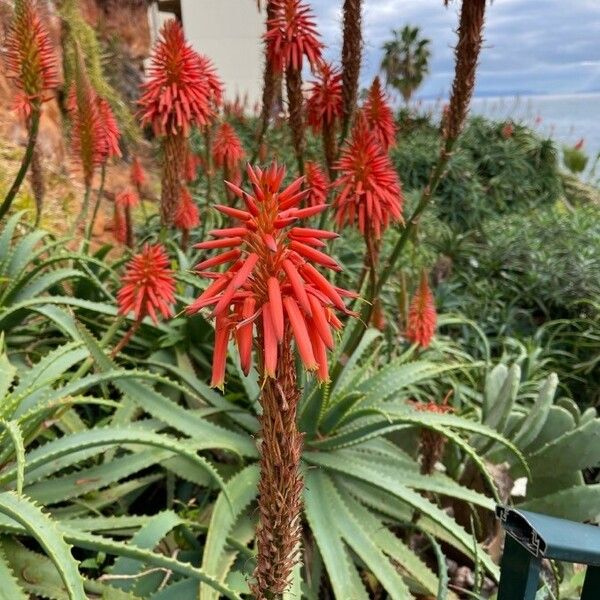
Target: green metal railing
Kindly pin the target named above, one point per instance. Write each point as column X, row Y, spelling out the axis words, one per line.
column 531, row 537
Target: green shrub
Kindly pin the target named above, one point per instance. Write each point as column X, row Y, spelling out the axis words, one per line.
column 489, row 174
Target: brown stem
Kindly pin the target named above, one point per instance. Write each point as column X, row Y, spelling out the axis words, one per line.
column 470, row 38
column 293, row 81
column 280, row 486
column 173, row 159
column 125, row 339
column 185, row 239
column 271, row 80
column 129, row 227
column 351, row 56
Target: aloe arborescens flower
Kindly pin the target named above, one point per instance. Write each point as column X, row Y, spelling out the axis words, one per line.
column 148, row 289
column 272, row 294
column 422, row 316
column 379, row 115
column 178, row 94
column 291, row 36
column 324, row 108
column 369, row 191
column 32, row 66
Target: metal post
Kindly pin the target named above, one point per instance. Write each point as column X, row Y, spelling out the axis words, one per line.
column 591, row 585
column 519, row 572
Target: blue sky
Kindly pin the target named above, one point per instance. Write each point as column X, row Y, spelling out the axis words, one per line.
column 531, row 46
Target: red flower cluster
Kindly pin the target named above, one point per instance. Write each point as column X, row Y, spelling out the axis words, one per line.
column 180, row 88
column 316, row 183
column 271, row 288
column 187, row 215
column 137, row 175
column 422, row 316
column 30, row 56
column 192, row 162
column 148, row 285
column 227, row 148
column 324, row 105
column 110, row 134
column 127, row 199
column 292, row 35
column 380, row 116
column 369, row 188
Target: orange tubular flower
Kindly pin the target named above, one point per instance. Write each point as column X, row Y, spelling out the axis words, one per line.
column 228, row 151
column 291, row 35
column 422, row 316
column 369, row 189
column 271, row 284
column 187, row 216
column 324, row 105
column 177, row 94
column 316, row 183
column 148, row 285
column 31, row 59
column 380, row 116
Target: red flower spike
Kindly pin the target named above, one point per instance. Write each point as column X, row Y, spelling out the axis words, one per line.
column 324, row 106
column 137, row 175
column 148, row 285
column 177, row 93
column 110, row 130
column 119, row 225
column 422, row 316
column 292, row 35
column 187, row 216
column 127, row 198
column 227, row 148
column 30, row 57
column 370, row 193
column 88, row 138
column 190, row 169
column 316, row 182
column 270, row 293
column 379, row 115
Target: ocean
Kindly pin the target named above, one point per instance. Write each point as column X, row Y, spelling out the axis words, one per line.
column 565, row 118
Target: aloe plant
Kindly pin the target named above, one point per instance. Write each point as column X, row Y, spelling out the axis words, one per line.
column 556, row 438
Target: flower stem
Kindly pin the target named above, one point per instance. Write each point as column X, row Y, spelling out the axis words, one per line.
column 84, row 210
column 126, row 338
column 129, row 227
column 280, row 486
column 90, row 230
column 14, row 188
column 209, row 166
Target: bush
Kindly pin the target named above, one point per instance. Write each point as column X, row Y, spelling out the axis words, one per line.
column 491, row 173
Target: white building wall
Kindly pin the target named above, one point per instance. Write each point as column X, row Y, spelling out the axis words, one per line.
column 229, row 32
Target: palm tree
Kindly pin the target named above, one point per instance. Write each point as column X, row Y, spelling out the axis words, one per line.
column 405, row 60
